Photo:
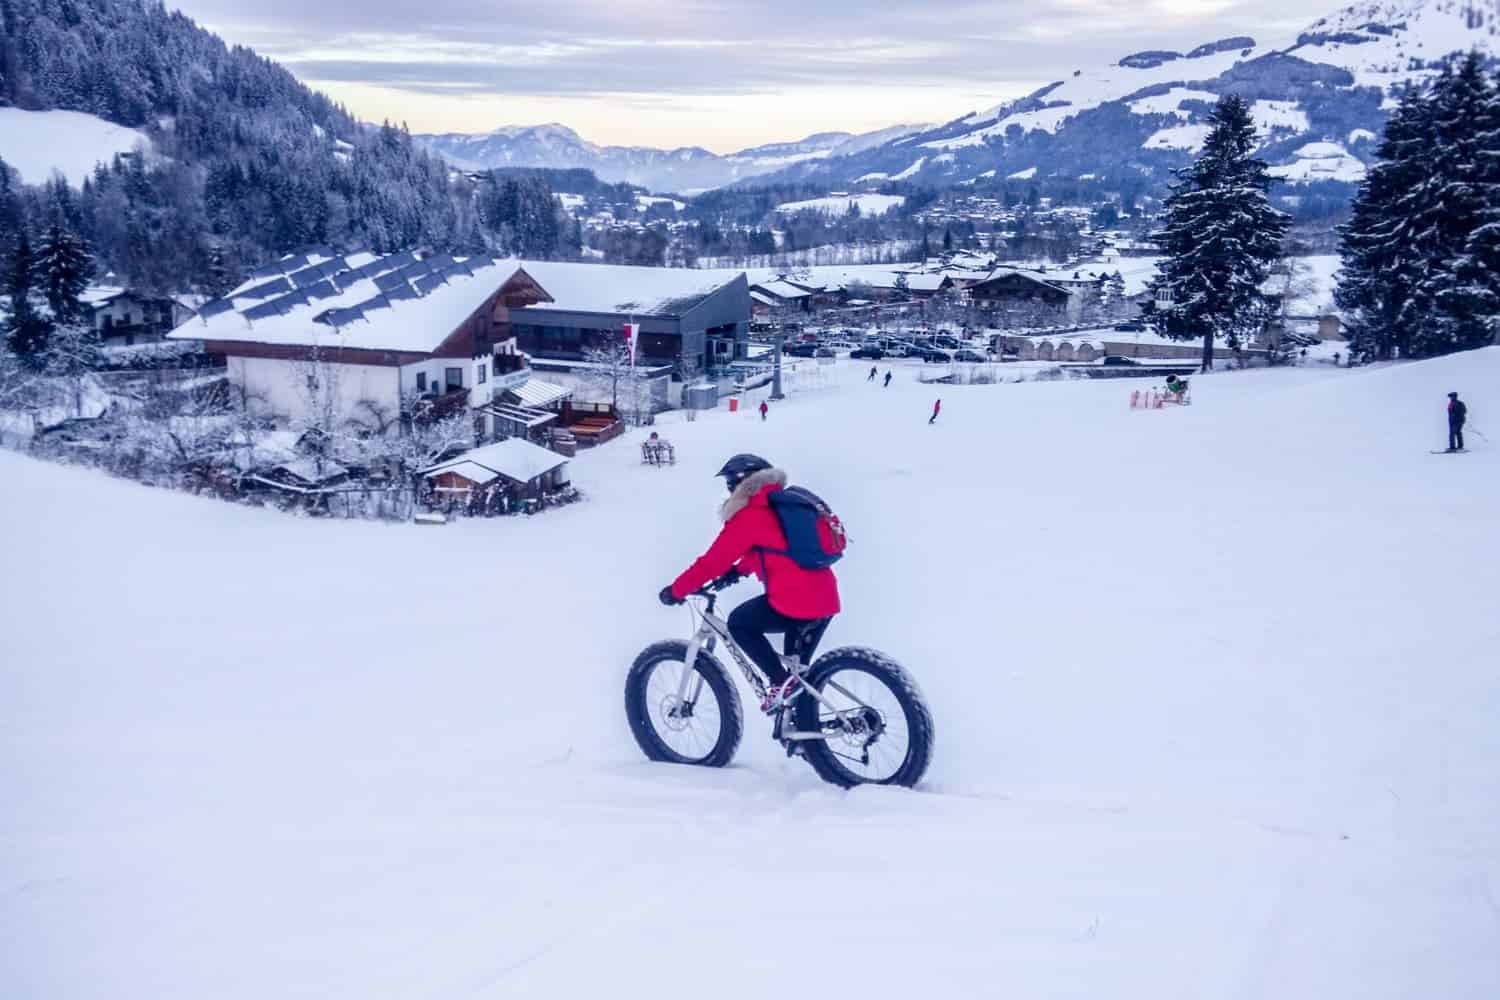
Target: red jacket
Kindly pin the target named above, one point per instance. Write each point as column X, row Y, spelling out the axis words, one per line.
column 750, row 527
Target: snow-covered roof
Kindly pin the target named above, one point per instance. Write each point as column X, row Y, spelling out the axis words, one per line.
column 396, row 302
column 623, row 290
column 925, row 282
column 512, row 458
column 536, row 393
column 782, row 289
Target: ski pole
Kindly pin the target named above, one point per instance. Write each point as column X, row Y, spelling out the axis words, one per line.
column 1482, row 437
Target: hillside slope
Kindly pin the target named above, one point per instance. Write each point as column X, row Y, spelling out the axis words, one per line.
column 1214, row 687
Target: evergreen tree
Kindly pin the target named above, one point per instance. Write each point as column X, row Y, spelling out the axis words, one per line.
column 218, row 281
column 1453, row 306
column 948, row 240
column 1420, row 249
column 61, row 270
column 1381, row 265
column 26, row 331
column 1219, row 239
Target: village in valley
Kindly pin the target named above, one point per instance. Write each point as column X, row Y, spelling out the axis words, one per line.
column 423, row 385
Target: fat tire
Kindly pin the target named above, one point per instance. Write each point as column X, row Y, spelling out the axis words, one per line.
column 890, row 673
column 638, row 712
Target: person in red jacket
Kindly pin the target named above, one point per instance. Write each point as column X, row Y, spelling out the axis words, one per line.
column 936, row 409
column 763, row 409
column 798, row 602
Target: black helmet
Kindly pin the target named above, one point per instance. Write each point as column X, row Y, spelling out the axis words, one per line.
column 740, row 466
column 1452, row 395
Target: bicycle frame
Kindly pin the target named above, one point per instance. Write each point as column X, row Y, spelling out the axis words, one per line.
column 710, row 630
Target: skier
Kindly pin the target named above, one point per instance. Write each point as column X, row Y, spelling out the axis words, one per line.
column 1457, row 414
column 872, row 374
column 764, row 409
column 887, row 378
column 797, row 601
column 936, row 409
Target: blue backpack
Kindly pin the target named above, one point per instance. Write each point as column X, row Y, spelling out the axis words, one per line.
column 815, row 536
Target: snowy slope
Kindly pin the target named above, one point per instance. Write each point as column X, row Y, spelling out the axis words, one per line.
column 37, row 143
column 1216, row 703
column 869, row 204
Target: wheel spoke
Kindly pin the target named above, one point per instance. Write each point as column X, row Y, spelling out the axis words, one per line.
column 848, row 690
column 693, row 737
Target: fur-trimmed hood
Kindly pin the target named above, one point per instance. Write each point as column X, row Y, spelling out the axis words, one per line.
column 748, row 487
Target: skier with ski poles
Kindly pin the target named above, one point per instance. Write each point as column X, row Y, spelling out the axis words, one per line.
column 1458, row 414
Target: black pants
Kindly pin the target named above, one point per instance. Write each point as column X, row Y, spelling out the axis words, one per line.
column 1455, row 436
column 750, row 622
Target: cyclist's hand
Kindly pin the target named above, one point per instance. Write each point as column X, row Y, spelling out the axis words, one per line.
column 729, row 579
column 668, row 598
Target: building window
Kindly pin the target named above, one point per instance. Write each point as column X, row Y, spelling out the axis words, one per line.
column 482, row 375
column 421, row 381
column 454, row 377
column 312, row 383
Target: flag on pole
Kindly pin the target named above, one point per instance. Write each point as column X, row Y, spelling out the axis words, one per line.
column 632, row 334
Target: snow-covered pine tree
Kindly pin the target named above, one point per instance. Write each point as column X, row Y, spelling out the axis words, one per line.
column 1463, row 288
column 26, row 330
column 1381, row 266
column 1477, row 269
column 1445, row 208
column 1220, row 237
column 60, row 271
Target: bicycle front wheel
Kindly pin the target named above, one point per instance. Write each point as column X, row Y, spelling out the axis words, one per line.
column 700, row 724
column 877, row 727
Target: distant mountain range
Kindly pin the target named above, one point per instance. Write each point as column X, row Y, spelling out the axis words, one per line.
column 1320, row 99
column 688, row 169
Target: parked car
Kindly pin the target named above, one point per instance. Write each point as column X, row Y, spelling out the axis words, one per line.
column 937, row 357
column 970, row 356
column 947, row 343
column 869, row 353
column 1115, row 359
column 825, row 352
column 1131, row 326
column 808, row 350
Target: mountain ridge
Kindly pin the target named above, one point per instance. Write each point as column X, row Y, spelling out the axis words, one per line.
column 682, row 169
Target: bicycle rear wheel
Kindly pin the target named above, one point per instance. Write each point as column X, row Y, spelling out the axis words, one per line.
column 878, row 727
column 702, row 729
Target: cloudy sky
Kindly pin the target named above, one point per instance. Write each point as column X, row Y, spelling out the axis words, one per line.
column 723, row 74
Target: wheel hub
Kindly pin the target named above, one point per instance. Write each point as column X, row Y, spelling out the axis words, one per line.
column 676, row 714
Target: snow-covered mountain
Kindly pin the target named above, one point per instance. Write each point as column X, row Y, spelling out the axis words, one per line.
column 1320, row 99
column 689, row 168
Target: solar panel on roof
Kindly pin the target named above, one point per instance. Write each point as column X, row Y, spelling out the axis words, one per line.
column 428, row 282
column 386, row 282
column 320, row 290
column 263, row 310
column 306, row 276
column 400, row 292
column 398, row 259
column 371, row 304
column 292, row 262
column 439, row 261
column 339, row 317
column 265, row 271
column 456, row 269
column 277, row 287
column 416, row 269
column 215, row 307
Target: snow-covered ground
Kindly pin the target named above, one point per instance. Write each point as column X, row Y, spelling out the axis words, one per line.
column 838, row 205
column 37, row 143
column 1215, row 691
